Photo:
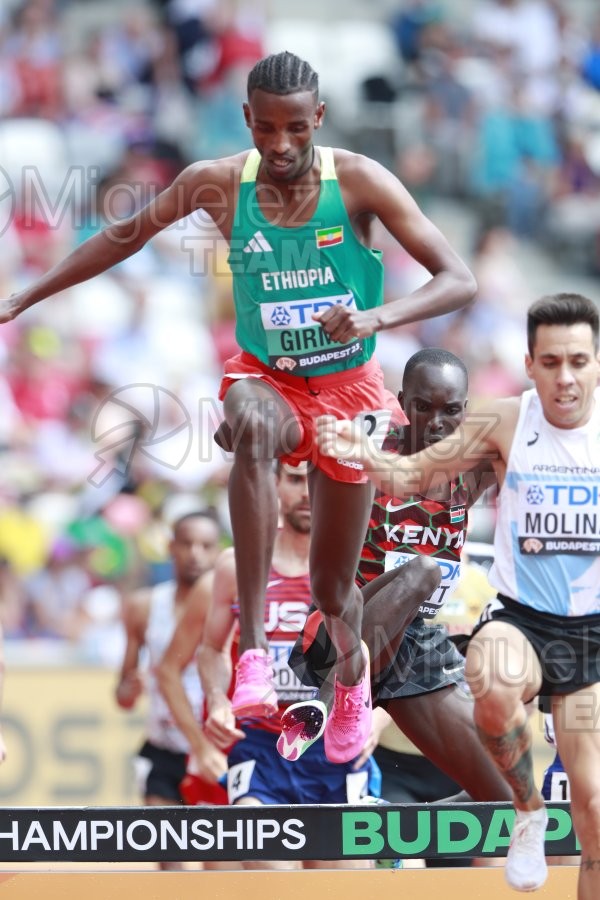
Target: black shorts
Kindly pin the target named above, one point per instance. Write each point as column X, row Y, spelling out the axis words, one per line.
column 427, row 660
column 568, row 647
column 411, row 778
column 165, row 773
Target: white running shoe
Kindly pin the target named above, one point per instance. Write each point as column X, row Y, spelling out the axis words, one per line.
column 526, row 868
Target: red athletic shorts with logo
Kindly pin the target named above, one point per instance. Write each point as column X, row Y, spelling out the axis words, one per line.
column 358, row 392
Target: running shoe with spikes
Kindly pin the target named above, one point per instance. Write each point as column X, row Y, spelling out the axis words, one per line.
column 349, row 722
column 301, row 725
column 254, row 693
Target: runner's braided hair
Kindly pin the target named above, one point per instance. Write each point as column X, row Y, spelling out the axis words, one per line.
column 283, row 73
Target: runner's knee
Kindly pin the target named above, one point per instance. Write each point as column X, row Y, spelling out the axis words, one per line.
column 496, row 707
column 333, row 593
column 428, row 573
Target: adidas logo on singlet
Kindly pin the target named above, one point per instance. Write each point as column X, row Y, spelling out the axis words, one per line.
column 257, row 244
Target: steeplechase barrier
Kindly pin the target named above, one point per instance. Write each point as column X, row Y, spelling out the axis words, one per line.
column 137, row 835
column 230, row 833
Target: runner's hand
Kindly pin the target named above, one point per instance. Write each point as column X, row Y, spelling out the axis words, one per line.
column 343, row 324
column 220, row 726
column 343, row 439
column 129, row 689
column 9, row 309
column 208, row 762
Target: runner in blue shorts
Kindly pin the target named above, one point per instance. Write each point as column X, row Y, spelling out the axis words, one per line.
column 257, row 774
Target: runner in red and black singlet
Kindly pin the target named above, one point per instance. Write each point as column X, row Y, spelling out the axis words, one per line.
column 417, row 674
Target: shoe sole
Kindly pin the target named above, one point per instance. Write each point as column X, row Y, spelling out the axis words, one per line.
column 312, row 716
column 527, row 890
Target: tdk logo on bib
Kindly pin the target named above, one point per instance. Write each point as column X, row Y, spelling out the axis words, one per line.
column 280, row 317
column 297, row 341
column 558, row 517
column 299, row 313
column 535, row 495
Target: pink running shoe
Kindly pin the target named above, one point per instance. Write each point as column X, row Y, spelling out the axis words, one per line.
column 349, row 723
column 254, row 693
column 301, row 725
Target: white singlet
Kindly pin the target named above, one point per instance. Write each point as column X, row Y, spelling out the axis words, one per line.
column 161, row 729
column 547, row 544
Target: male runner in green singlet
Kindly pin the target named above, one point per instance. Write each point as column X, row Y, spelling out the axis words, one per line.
column 308, row 292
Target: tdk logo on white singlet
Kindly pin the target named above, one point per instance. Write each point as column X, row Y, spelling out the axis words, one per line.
column 562, row 495
column 258, row 244
column 535, row 495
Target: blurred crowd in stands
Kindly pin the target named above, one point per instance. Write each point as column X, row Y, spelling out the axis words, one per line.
column 108, row 391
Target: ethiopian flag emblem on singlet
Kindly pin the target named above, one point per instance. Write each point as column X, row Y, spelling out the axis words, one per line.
column 327, row 237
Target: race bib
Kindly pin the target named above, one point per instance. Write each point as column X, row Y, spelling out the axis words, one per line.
column 287, row 684
column 558, row 518
column 296, row 343
column 450, row 570
column 376, row 423
column 560, row 789
column 238, row 779
column 357, row 786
